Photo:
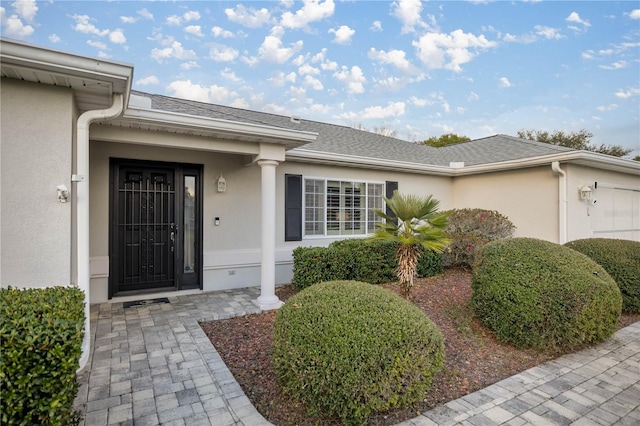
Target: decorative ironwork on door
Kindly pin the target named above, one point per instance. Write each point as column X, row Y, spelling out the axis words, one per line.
column 146, row 229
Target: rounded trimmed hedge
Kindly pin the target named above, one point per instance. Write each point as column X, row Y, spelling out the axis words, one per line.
column 621, row 259
column 541, row 295
column 350, row 349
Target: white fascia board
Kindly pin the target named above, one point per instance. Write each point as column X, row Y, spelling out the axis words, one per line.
column 578, row 157
column 61, row 63
column 317, row 157
column 586, row 158
column 185, row 121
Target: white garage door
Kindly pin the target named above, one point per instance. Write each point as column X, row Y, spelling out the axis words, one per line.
column 618, row 212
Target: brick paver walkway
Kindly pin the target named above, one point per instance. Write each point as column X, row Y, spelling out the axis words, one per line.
column 153, row 365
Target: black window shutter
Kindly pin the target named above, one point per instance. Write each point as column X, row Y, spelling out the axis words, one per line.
column 292, row 207
column 390, row 187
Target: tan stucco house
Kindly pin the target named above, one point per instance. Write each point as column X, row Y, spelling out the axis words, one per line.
column 129, row 194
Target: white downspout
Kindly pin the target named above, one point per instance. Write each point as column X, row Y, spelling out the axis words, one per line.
column 82, row 205
column 562, row 201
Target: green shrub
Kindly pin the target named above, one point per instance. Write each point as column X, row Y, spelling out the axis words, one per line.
column 371, row 261
column 537, row 294
column 41, row 332
column 470, row 229
column 621, row 259
column 350, row 349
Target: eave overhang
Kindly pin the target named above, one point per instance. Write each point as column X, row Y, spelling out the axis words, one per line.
column 93, row 80
column 584, row 158
column 191, row 125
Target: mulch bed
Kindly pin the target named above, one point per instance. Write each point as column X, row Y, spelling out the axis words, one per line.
column 474, row 358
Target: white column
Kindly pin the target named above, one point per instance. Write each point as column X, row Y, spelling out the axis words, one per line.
column 268, row 299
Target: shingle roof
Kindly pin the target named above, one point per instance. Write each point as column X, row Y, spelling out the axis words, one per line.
column 343, row 140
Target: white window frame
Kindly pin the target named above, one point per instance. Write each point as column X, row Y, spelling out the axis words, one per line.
column 346, row 226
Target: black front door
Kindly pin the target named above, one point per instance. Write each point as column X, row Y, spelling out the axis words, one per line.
column 155, row 227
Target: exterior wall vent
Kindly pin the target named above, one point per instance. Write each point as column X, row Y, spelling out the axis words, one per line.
column 295, row 119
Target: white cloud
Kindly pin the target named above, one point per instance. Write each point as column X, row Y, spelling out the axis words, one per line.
column 280, row 79
column 575, row 18
column 548, row 32
column 473, row 96
column 609, row 107
column 84, row 25
column 26, row 9
column 128, row 19
column 353, row 78
column 524, row 38
column 248, row 17
column 419, row 102
column 145, row 14
column 627, row 94
column 308, row 69
column 175, row 50
column 185, row 89
column 449, row 51
column 191, row 15
column 239, row 103
column 634, row 14
column 54, row 38
column 376, row 26
column 393, row 109
column 615, row 66
column 13, row 25
column 195, row 30
column 408, row 13
column 313, row 82
column 342, row 35
column 230, row 75
column 311, row 11
column 146, row 81
column 221, row 53
column 394, row 57
column 504, row 82
column 189, row 65
column 117, row 37
column 174, row 20
column 588, row 54
column 220, row 32
column 271, row 49
column 97, row 44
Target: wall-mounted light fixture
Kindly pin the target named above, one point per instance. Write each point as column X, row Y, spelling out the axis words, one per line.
column 586, row 194
column 63, row 193
column 222, row 183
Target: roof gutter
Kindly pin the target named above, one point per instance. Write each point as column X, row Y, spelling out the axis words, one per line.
column 260, row 133
column 82, row 205
column 594, row 159
column 317, row 157
column 562, row 201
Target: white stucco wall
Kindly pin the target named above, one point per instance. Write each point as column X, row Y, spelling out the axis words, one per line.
column 528, row 197
column 36, row 156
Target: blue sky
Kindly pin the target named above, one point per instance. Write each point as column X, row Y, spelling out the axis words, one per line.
column 422, row 69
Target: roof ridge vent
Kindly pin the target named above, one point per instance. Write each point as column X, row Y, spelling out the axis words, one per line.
column 295, row 119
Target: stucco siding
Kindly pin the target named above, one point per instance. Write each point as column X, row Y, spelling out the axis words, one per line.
column 36, row 156
column 528, row 197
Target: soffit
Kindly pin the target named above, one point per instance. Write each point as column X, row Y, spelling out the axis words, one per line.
column 93, row 81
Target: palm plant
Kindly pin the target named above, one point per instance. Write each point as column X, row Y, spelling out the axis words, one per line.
column 417, row 222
